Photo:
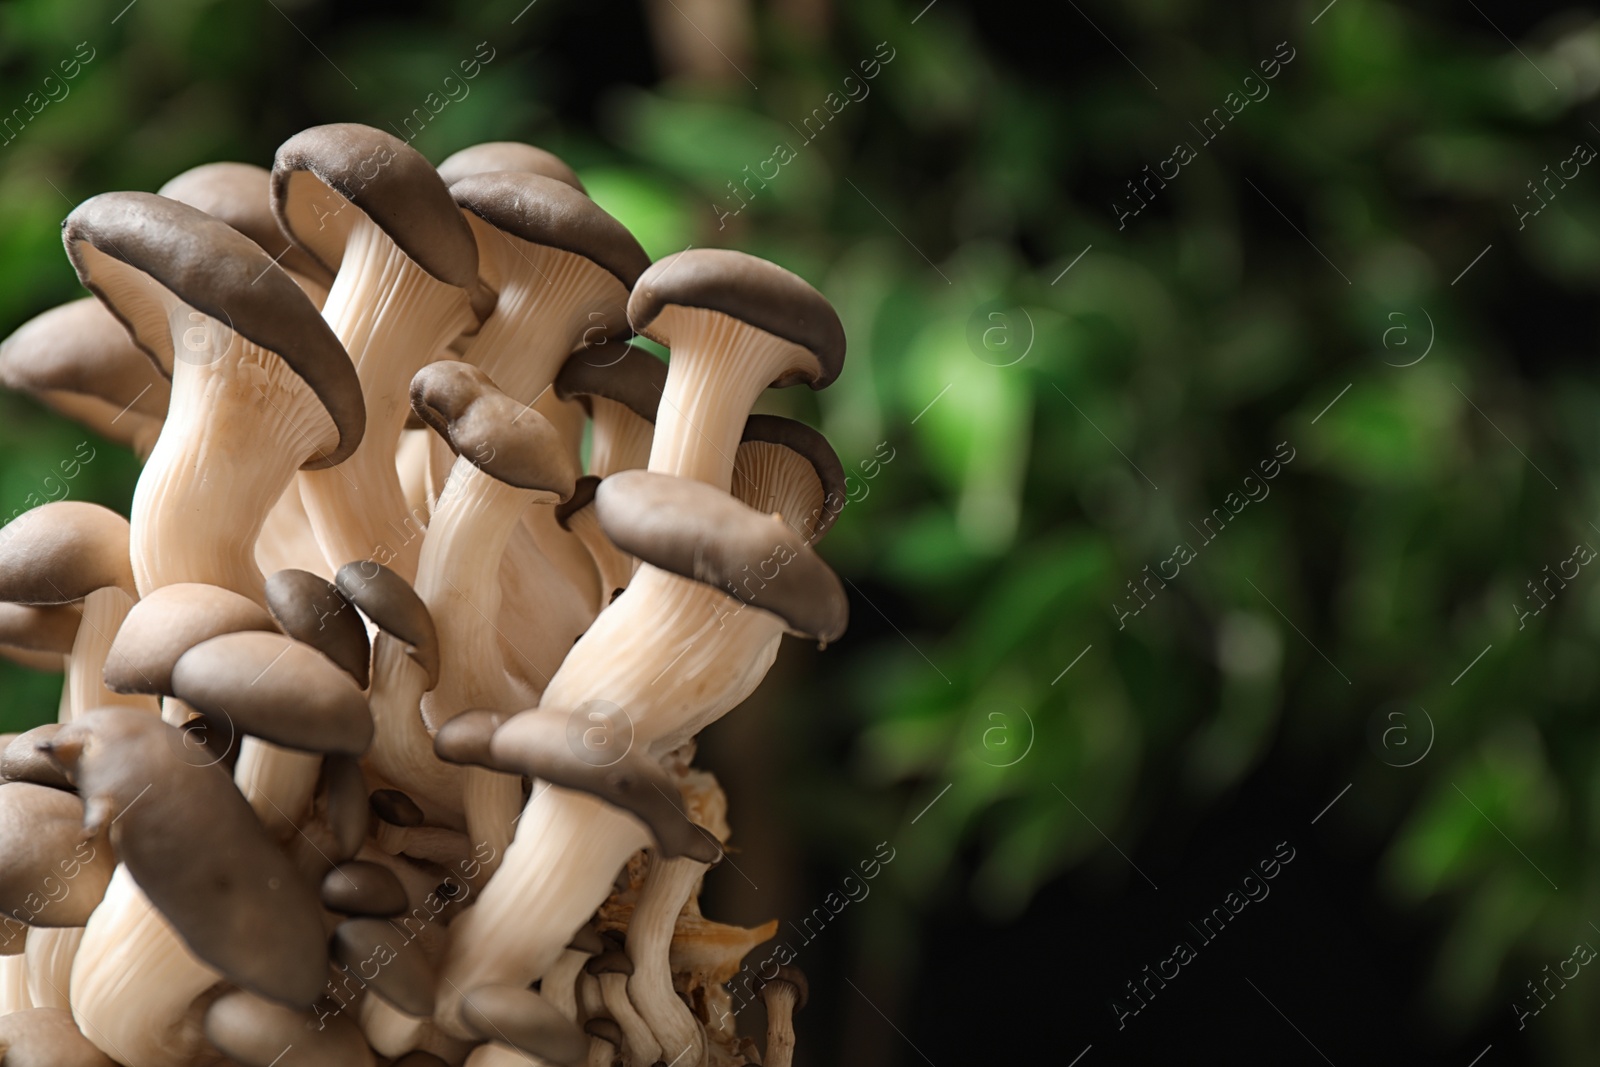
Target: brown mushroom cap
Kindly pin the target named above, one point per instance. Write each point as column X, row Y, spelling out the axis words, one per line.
column 121, row 242
column 506, row 440
column 275, row 688
column 791, row 981
column 240, row 194
column 754, row 291
column 51, row 876
column 632, row 376
column 63, row 551
column 403, row 976
column 545, row 211
column 23, row 761
column 309, row 608
column 465, row 739
column 348, row 814
column 537, row 743
column 506, row 155
column 769, row 454
column 605, row 1029
column 192, row 843
column 588, row 941
column 254, row 1031
column 169, row 622
column 362, row 888
column 47, row 1037
column 80, row 347
column 319, row 173
column 395, row 808
column 395, row 608
column 40, row 628
column 697, row 531
column 524, row 1020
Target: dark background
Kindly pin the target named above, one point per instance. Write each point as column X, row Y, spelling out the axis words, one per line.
column 1178, row 352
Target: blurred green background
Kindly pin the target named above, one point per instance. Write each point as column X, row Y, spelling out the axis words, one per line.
column 1044, row 396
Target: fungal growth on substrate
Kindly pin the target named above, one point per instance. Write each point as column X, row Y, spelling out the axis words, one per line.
column 378, row 720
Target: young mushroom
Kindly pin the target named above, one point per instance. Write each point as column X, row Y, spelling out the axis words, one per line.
column 735, row 324
column 70, row 552
column 260, row 385
column 784, row 994
column 506, row 155
column 370, row 209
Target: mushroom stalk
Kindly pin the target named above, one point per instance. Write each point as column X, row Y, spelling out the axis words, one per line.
column 359, row 509
column 669, row 886
column 103, row 611
column 674, row 655
column 720, row 365
column 50, row 952
column 14, row 984
column 134, row 980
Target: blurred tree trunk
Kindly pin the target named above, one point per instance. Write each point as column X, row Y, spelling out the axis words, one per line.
column 703, row 42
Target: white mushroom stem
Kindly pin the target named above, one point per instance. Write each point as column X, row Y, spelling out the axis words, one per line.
column 14, row 984
column 548, row 298
column 240, row 424
column 780, row 998
column 392, row 317
column 670, row 885
column 287, row 539
column 457, row 578
column 493, row 1055
column 621, row 440
column 675, row 655
column 278, row 782
column 541, row 612
column 50, row 952
column 719, row 367
column 615, row 566
column 560, row 983
column 103, row 611
column 402, row 748
column 641, row 1044
column 134, row 979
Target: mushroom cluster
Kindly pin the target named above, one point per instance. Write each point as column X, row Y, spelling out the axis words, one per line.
column 376, row 738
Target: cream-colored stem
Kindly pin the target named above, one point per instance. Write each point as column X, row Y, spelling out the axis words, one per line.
column 544, row 891
column 239, row 424
column 674, row 655
column 50, row 953
column 103, row 611
column 621, row 439
column 134, row 979
column 719, row 367
column 501, row 1056
column 287, row 539
column 541, row 611
column 667, row 888
column 393, row 318
column 14, row 984
column 614, row 565
column 402, row 748
column 565, row 551
column 457, row 580
column 278, row 782
column 560, row 983
column 641, row 1044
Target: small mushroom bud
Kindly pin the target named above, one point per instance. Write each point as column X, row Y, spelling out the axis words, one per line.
column 783, row 995
column 362, row 888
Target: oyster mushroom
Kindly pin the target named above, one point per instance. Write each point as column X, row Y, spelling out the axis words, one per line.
column 784, row 994
column 621, row 385
column 260, row 1033
column 735, row 324
column 371, row 210
column 671, row 655
column 261, row 386
column 69, row 552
